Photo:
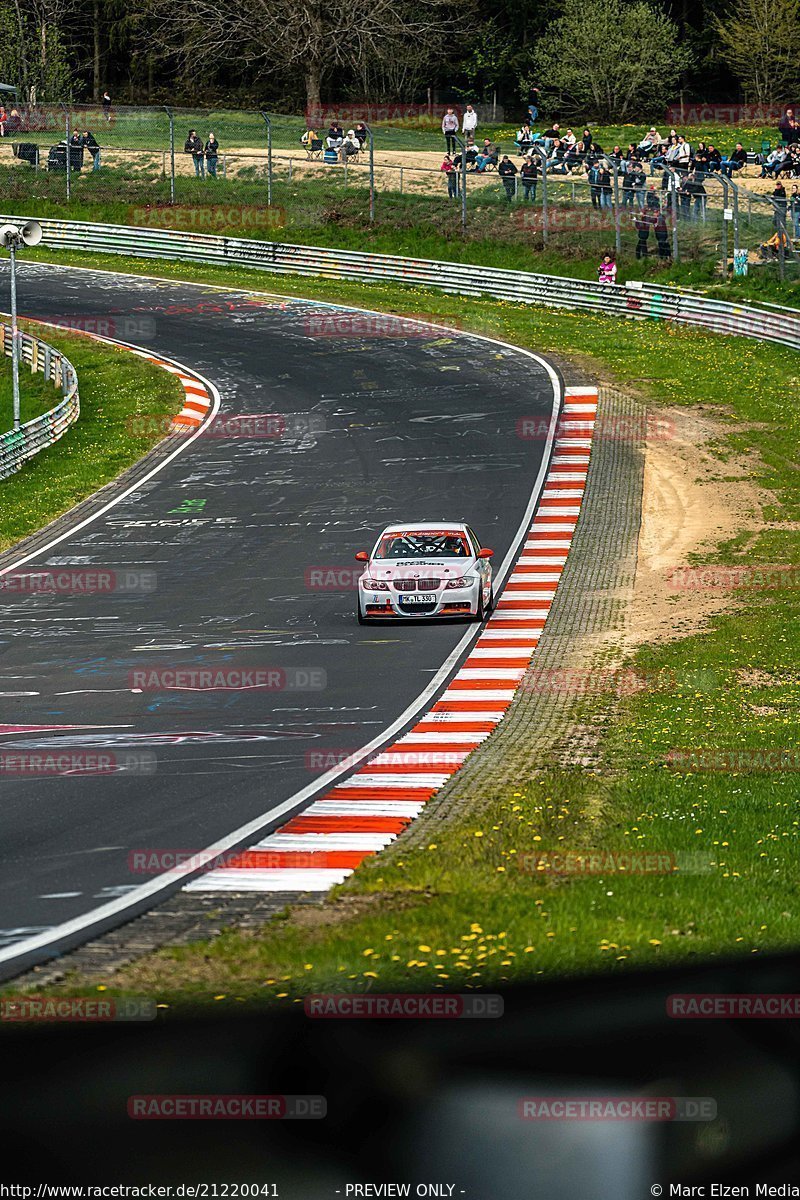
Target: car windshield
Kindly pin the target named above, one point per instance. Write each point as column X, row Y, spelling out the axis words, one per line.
column 428, row 543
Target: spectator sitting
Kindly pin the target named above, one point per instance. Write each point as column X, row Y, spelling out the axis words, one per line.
column 632, row 153
column 469, row 122
column 607, row 271
column 683, row 155
column 791, row 162
column 735, row 162
column 715, row 158
column 469, row 157
column 362, row 133
column 449, row 129
column 771, row 167
column 335, row 136
column 661, row 159
column 3, row 120
column 651, row 142
column 486, row 156
column 13, row 121
column 524, row 139
column 772, row 247
column 701, row 160
column 506, row 170
column 789, row 128
column 568, row 139
column 350, row 146
column 308, row 137
column 550, row 135
column 557, row 162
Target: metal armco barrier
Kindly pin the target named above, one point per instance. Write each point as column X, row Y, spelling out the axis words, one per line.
column 635, row 301
column 18, row 445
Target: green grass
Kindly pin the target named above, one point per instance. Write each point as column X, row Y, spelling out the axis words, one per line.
column 460, row 912
column 36, row 394
column 114, row 386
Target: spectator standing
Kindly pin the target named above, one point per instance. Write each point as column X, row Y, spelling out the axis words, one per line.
column 780, row 203
column 789, row 128
column 529, row 174
column 533, row 105
column 212, row 153
column 507, row 170
column 641, row 224
column 607, row 271
column 662, row 235
column 794, row 208
column 594, row 185
column 194, row 146
column 469, row 123
column 604, row 182
column 451, row 174
column 106, row 102
column 93, row 146
column 449, row 129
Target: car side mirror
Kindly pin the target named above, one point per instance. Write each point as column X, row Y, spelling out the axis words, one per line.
column 485, row 553
column 362, row 556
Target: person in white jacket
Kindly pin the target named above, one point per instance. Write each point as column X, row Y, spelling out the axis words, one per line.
column 469, row 123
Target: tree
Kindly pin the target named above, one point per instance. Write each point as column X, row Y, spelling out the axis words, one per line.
column 610, row 59
column 760, row 42
column 317, row 37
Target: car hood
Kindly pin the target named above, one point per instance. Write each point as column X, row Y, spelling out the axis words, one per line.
column 419, row 568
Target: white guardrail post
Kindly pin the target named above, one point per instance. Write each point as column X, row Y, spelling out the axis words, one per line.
column 648, row 301
column 18, row 445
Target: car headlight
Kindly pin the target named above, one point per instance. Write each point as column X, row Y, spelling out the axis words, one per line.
column 375, row 585
column 460, row 583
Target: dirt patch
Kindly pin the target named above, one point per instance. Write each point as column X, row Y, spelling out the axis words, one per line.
column 688, row 508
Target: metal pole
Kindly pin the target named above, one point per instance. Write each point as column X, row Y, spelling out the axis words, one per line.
column 735, row 188
column 12, row 250
column 69, row 153
column 543, row 156
column 463, row 146
column 269, row 158
column 371, row 170
column 171, row 117
column 781, row 229
column 724, row 183
column 676, row 256
column 617, row 232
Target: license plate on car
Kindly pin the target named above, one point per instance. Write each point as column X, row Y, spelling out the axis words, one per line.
column 419, row 599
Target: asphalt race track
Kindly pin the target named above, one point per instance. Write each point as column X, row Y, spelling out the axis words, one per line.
column 239, row 536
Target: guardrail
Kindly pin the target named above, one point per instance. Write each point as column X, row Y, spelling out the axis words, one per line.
column 635, row 300
column 18, row 445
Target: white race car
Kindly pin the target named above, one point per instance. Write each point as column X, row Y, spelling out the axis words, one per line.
column 433, row 569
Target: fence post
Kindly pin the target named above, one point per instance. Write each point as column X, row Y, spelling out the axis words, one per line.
column 269, row 158
column 735, row 188
column 171, row 117
column 543, row 156
column 68, row 154
column 676, row 250
column 617, row 231
column 463, row 180
column 724, row 183
column 401, row 181
column 371, row 137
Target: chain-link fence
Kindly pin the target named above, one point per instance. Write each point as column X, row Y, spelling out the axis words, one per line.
column 245, row 172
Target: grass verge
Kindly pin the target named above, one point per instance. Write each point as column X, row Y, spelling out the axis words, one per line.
column 460, row 912
column 36, row 394
column 114, row 386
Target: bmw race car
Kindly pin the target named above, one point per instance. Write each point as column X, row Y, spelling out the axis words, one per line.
column 433, row 569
